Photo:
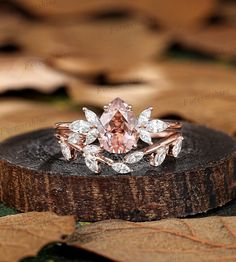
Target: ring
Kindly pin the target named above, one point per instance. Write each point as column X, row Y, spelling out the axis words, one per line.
column 118, row 132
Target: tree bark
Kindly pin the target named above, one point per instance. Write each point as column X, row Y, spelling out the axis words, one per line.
column 34, row 176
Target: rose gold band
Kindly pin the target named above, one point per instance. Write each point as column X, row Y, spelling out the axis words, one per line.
column 166, row 138
column 118, row 131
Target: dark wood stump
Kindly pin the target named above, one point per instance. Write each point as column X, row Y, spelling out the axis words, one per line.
column 34, row 176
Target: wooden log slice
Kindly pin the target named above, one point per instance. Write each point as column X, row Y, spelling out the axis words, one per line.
column 34, row 176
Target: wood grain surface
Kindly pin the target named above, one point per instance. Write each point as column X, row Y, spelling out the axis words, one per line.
column 34, row 176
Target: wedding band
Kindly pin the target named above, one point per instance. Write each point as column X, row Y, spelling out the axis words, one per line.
column 118, row 131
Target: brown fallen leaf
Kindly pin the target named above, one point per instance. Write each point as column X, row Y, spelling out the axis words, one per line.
column 55, row 8
column 138, row 86
column 220, row 40
column 119, row 44
column 75, row 65
column 170, row 13
column 227, row 9
column 198, row 239
column 29, row 72
column 201, row 92
column 178, row 14
column 23, row 235
column 19, row 116
column 10, row 24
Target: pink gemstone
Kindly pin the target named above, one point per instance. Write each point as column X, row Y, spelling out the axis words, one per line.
column 118, row 134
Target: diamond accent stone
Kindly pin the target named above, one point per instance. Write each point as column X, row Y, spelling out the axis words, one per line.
column 159, row 156
column 144, row 117
column 177, row 147
column 91, row 149
column 91, row 136
column 134, row 157
column 121, row 168
column 65, row 151
column 91, row 116
column 74, row 138
column 118, row 133
column 92, row 163
column 80, row 126
column 145, row 136
column 156, row 126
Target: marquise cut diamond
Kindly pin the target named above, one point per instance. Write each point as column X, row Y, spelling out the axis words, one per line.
column 92, row 163
column 80, row 126
column 177, row 147
column 91, row 136
column 156, row 126
column 134, row 157
column 144, row 117
column 145, row 136
column 159, row 156
column 74, row 138
column 91, row 116
column 91, row 149
column 121, row 168
column 65, row 151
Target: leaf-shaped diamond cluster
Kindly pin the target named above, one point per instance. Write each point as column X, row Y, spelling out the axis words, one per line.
column 118, row 132
column 147, row 127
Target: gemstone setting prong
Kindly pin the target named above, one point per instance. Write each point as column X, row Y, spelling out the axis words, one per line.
column 118, row 131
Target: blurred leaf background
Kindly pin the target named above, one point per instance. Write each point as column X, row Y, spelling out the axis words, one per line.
column 56, row 56
column 176, row 55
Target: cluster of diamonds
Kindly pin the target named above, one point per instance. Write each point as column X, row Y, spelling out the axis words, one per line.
column 117, row 132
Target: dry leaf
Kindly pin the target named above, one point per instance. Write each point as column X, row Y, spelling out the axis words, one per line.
column 137, row 86
column 10, row 25
column 19, row 116
column 170, row 13
column 176, row 14
column 29, row 72
column 227, row 9
column 55, row 8
column 25, row 234
column 200, row 92
column 77, row 66
column 198, row 239
column 220, row 40
column 107, row 45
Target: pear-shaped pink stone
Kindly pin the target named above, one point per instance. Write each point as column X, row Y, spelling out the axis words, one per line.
column 118, row 133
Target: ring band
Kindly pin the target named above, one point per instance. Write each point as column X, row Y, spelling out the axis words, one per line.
column 118, row 132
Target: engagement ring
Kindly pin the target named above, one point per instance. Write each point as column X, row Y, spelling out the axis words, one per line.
column 118, row 131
